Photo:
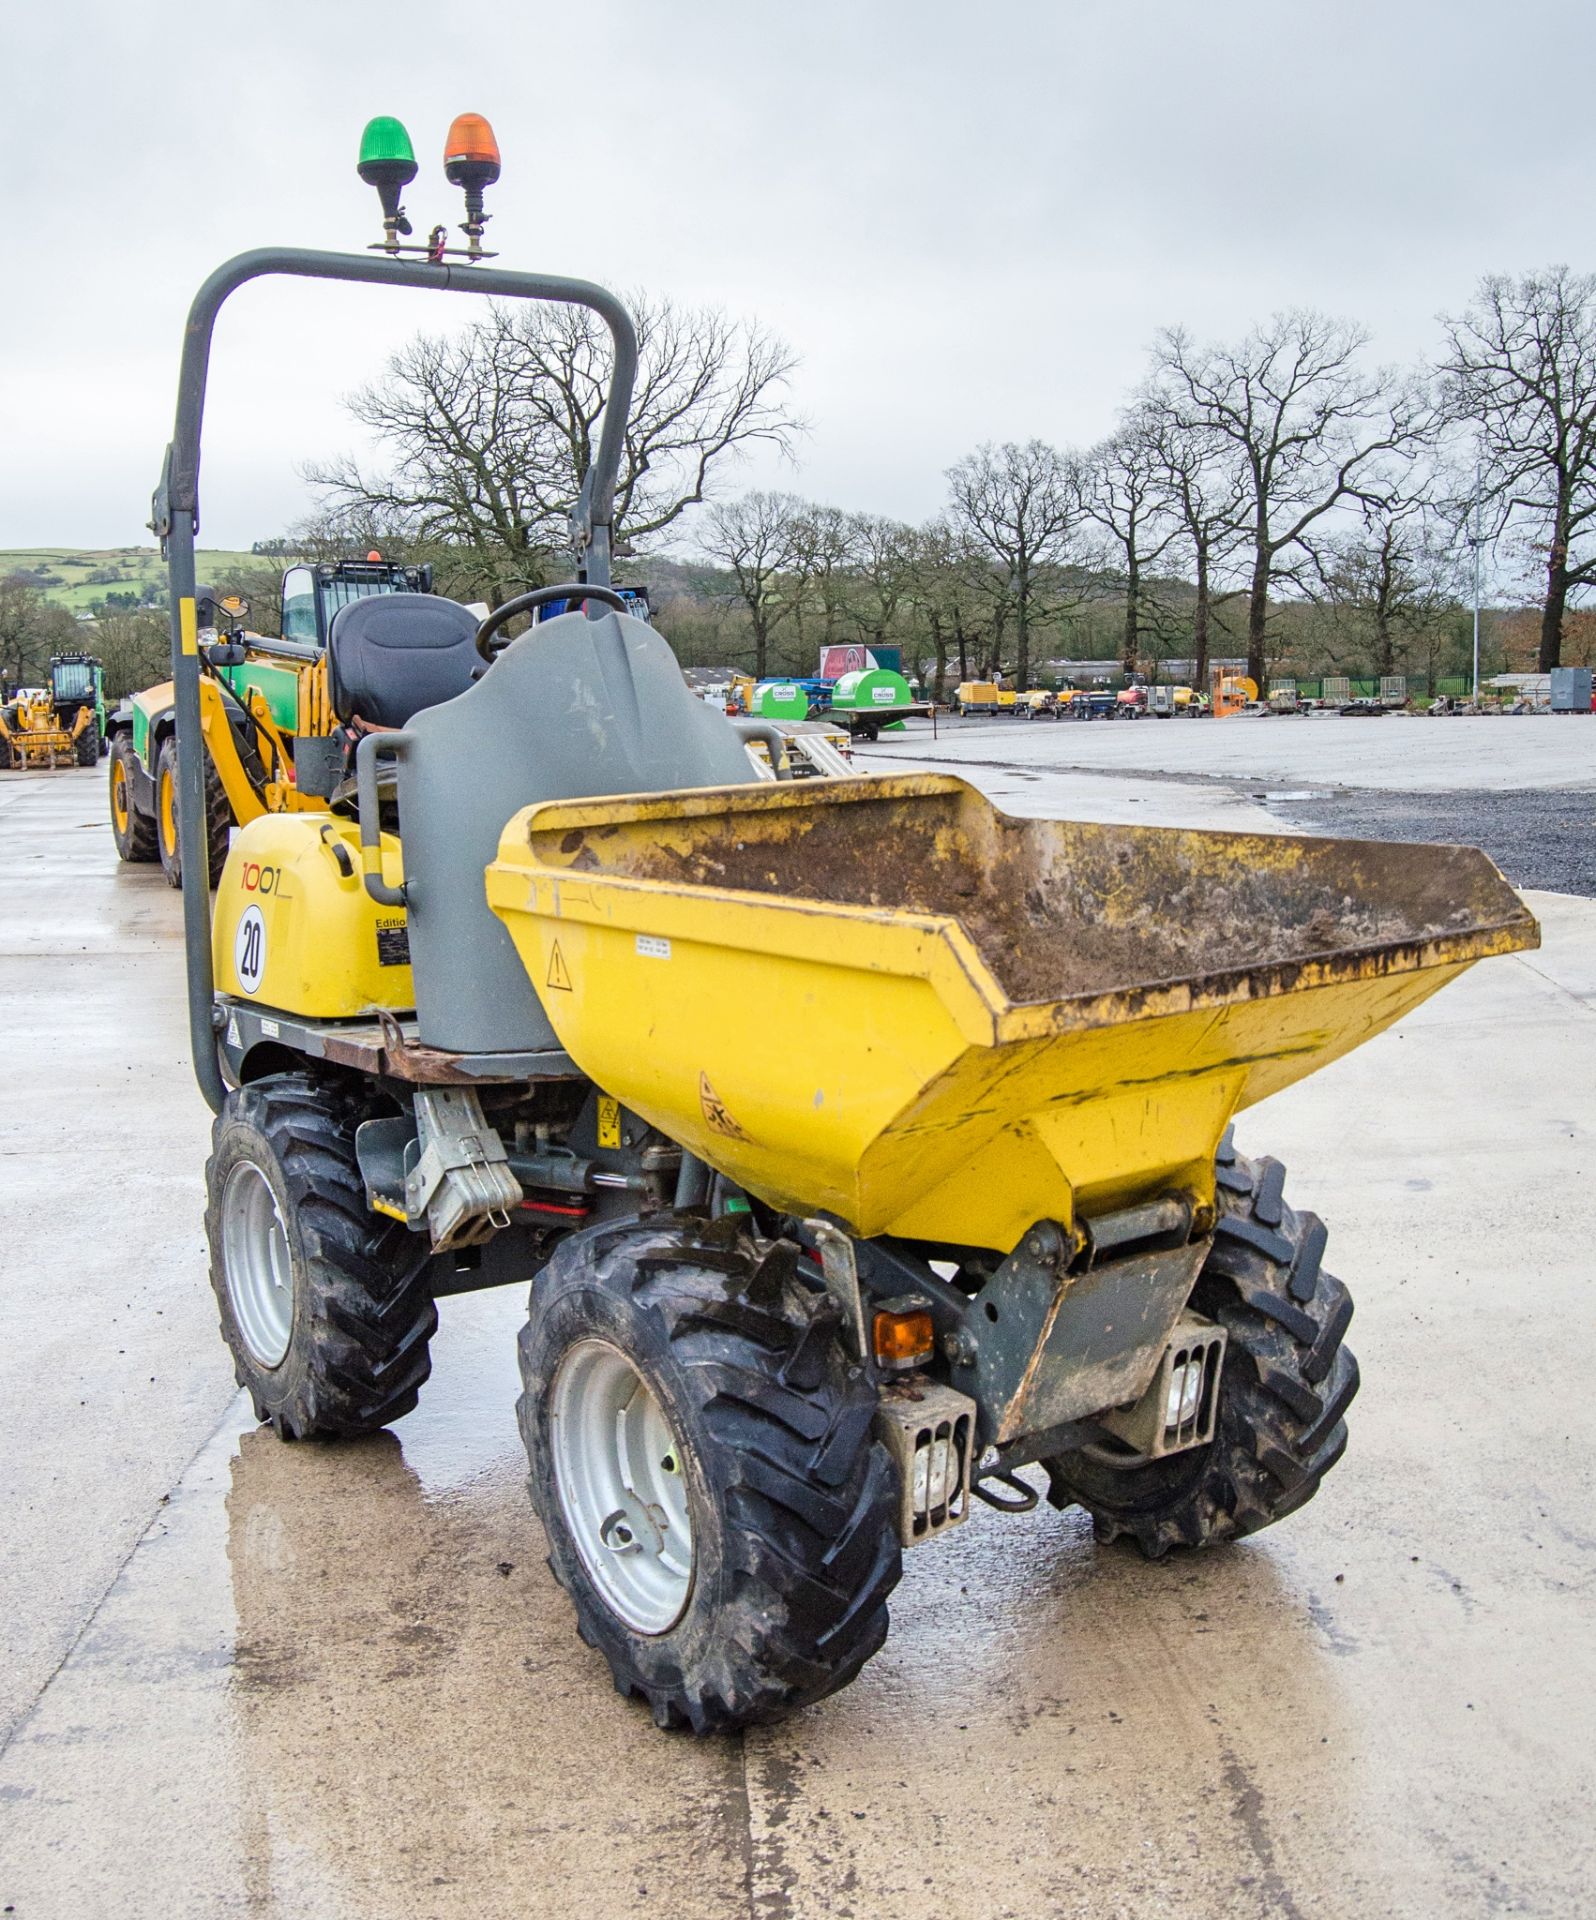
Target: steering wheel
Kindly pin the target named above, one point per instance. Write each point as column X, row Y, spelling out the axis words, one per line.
column 539, row 597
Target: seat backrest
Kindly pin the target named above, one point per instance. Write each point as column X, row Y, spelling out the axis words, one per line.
column 392, row 654
column 572, row 708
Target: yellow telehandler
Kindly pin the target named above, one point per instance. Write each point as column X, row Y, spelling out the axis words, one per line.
column 58, row 725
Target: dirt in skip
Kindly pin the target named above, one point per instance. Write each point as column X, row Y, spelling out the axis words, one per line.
column 1061, row 909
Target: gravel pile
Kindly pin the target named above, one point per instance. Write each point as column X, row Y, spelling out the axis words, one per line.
column 1539, row 838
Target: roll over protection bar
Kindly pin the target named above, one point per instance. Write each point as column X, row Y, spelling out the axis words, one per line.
column 175, row 520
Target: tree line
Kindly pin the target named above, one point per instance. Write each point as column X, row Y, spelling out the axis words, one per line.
column 1274, row 498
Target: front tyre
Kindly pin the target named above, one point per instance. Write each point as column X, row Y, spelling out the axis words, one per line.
column 88, row 745
column 703, row 1464
column 1287, row 1383
column 324, row 1304
column 133, row 832
column 218, row 816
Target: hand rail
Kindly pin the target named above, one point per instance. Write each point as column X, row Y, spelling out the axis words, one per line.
column 368, row 804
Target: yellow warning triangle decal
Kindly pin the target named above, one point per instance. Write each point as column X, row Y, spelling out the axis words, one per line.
column 715, row 1113
column 558, row 977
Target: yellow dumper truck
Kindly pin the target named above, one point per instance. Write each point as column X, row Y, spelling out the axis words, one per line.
column 794, row 1310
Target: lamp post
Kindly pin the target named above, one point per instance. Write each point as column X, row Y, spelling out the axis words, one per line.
column 1475, row 543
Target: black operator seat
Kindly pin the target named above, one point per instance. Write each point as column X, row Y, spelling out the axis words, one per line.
column 391, row 654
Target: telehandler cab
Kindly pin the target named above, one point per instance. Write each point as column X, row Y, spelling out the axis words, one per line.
column 791, row 1310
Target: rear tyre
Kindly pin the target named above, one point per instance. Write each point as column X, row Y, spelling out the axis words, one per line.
column 324, row 1304
column 218, row 816
column 703, row 1464
column 88, row 745
column 1286, row 1385
column 133, row 832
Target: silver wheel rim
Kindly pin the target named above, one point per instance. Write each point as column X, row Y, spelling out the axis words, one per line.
column 256, row 1264
column 620, row 1478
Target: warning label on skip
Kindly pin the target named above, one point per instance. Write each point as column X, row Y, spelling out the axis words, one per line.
column 559, row 977
column 715, row 1111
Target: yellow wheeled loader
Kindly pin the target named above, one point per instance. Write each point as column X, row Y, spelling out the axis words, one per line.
column 793, row 1309
column 272, row 741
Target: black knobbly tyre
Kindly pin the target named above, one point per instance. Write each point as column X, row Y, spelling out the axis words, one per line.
column 87, row 746
column 324, row 1304
column 133, row 832
column 1287, row 1383
column 703, row 1464
column 218, row 817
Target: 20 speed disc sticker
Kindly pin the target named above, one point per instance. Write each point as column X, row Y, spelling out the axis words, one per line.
column 249, row 950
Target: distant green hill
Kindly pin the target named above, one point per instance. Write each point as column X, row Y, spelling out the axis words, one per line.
column 77, row 577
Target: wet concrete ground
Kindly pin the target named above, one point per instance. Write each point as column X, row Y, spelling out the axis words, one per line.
column 244, row 1678
column 1522, row 787
column 1398, row 751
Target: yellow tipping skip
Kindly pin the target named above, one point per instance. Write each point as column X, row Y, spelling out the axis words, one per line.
column 886, row 999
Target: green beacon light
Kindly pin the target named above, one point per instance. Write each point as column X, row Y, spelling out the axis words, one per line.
column 388, row 163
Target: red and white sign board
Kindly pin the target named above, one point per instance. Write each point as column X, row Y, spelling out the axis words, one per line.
column 836, row 661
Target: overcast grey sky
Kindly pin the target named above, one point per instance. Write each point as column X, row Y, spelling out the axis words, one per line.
column 968, row 219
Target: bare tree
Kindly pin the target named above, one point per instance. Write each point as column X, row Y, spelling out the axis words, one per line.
column 1207, row 490
column 707, row 385
column 30, row 631
column 1021, row 504
column 490, row 433
column 1390, row 581
column 753, row 537
column 469, row 465
column 135, row 649
column 885, row 555
column 962, row 601
column 1520, row 367
column 822, row 560
column 1308, row 427
column 1125, row 493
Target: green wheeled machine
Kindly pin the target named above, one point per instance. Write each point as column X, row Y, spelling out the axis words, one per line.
column 792, row 1310
column 272, row 741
